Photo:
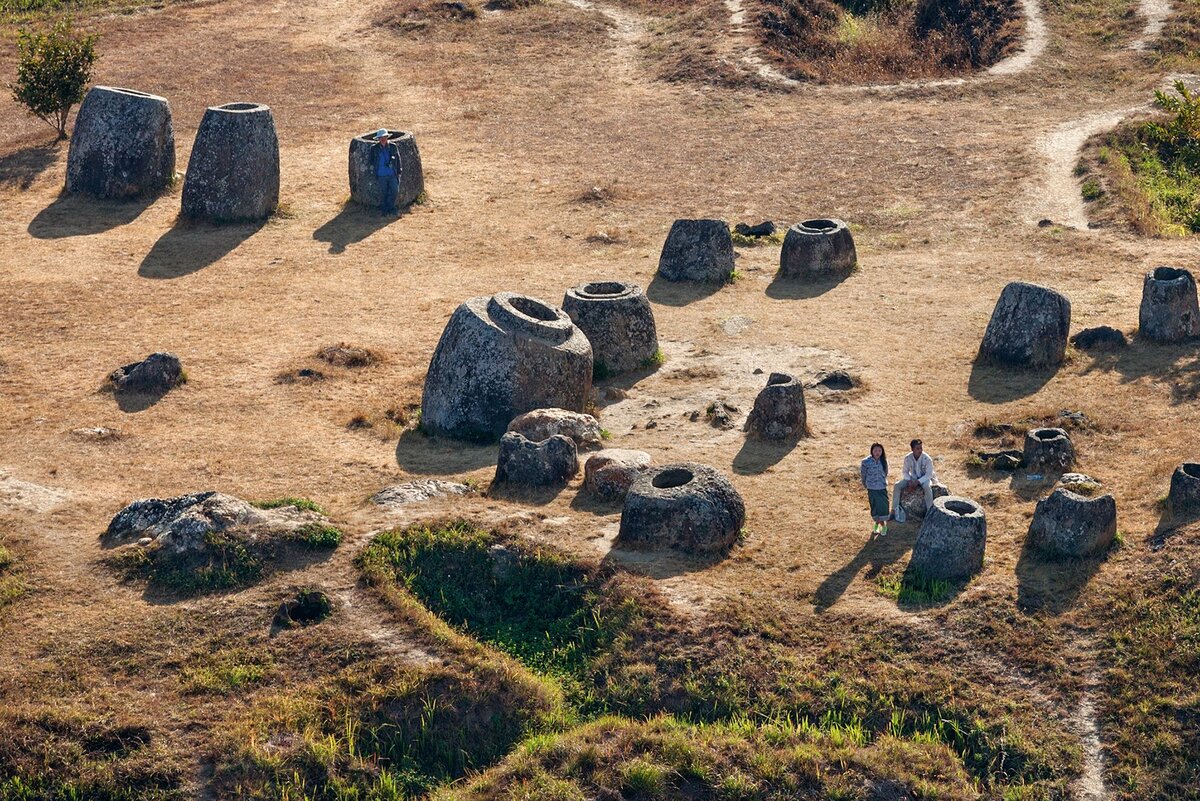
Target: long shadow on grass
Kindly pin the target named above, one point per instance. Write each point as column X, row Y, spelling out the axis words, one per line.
column 418, row 453
column 1179, row 364
column 1049, row 584
column 875, row 554
column 22, row 167
column 679, row 293
column 756, row 455
column 80, row 215
column 991, row 383
column 352, row 225
column 782, row 288
column 191, row 246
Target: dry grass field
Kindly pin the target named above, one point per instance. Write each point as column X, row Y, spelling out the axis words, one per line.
column 789, row 667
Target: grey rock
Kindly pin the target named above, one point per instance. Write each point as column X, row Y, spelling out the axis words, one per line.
column 697, row 250
column 617, row 320
column 609, row 473
column 97, row 434
column 583, row 429
column 765, row 228
column 779, row 412
column 521, row 462
column 499, row 357
column 364, row 186
column 1067, row 524
column 720, row 415
column 951, row 542
column 687, row 506
column 157, row 374
column 417, row 491
column 1008, row 460
column 1169, row 311
column 1028, row 328
column 233, row 172
column 1183, row 501
column 835, row 381
column 180, row 525
column 912, row 500
column 1049, row 450
column 123, row 145
column 816, row 249
column 1102, row 337
column 1079, row 483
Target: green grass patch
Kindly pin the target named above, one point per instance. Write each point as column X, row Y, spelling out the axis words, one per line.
column 910, row 589
column 300, row 503
column 658, row 359
column 317, row 535
column 227, row 672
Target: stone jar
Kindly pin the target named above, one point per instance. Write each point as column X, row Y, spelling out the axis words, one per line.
column 951, row 542
column 123, row 145
column 1183, row 501
column 1066, row 524
column 779, row 412
column 364, row 186
column 816, row 249
column 1048, row 450
column 609, row 473
column 1169, row 311
column 233, row 172
column 912, row 500
column 1028, row 328
column 523, row 462
column 687, row 506
column 697, row 250
column 617, row 319
column 499, row 357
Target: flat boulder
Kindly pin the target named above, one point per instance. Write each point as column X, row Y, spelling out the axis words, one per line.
column 608, row 474
column 416, row 491
column 1028, row 327
column 1067, row 524
column 157, row 374
column 540, row 424
column 546, row 463
column 697, row 250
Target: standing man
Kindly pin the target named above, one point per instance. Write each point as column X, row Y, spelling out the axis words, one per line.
column 386, row 157
column 918, row 471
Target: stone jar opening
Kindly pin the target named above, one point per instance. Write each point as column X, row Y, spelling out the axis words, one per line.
column 1191, row 469
column 240, row 107
column 670, row 479
column 959, row 507
column 605, row 289
column 1166, row 274
column 819, row 225
column 777, row 379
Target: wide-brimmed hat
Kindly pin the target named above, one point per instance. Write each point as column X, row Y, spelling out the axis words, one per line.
column 381, row 133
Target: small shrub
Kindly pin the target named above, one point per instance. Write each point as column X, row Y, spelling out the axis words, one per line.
column 288, row 500
column 317, row 535
column 53, row 70
column 1091, row 190
column 734, row 276
column 656, row 360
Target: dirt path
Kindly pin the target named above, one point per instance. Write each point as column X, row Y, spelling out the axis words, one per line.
column 1156, row 13
column 1090, row 786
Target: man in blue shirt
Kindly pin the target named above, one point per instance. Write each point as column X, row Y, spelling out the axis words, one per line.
column 386, row 158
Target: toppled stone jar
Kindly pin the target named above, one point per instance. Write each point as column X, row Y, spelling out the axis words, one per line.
column 617, row 319
column 816, row 249
column 609, row 474
column 498, row 357
column 951, row 542
column 364, row 186
column 524, row 463
column 1066, row 524
column 687, row 506
column 779, row 412
column 1028, row 328
column 1169, row 311
column 123, row 145
column 697, row 250
column 233, row 172
column 1048, row 450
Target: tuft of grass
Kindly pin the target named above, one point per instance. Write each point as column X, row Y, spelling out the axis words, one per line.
column 658, row 359
column 734, row 276
column 741, row 240
column 11, row 585
column 910, row 589
column 1091, row 190
column 226, row 672
column 290, row 500
column 317, row 535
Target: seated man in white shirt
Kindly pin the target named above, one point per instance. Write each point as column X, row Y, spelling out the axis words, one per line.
column 918, row 470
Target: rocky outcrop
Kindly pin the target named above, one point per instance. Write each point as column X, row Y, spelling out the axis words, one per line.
column 233, row 172
column 779, row 413
column 500, row 357
column 697, row 250
column 364, row 186
column 1048, row 450
column 617, row 319
column 609, row 474
column 1028, row 328
column 951, row 542
column 687, row 506
column 416, row 491
column 524, row 463
column 1102, row 337
column 539, row 424
column 155, row 375
column 123, row 145
column 817, row 249
column 1169, row 311
column 1067, row 524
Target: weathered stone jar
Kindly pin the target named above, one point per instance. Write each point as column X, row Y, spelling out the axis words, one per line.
column 816, row 249
column 609, row 473
column 1183, row 501
column 1066, row 524
column 524, row 463
column 1169, row 311
column 233, row 172
column 1028, row 328
column 123, row 145
column 912, row 500
column 697, row 250
column 617, row 319
column 1048, row 450
column 364, row 186
column 499, row 357
column 779, row 412
column 687, row 506
column 951, row 542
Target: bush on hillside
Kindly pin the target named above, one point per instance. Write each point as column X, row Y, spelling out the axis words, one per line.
column 53, row 70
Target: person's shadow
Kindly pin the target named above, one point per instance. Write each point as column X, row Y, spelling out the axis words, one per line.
column 82, row 215
column 877, row 552
column 353, row 224
column 191, row 246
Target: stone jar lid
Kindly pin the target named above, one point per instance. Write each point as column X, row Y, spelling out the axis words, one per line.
column 523, row 314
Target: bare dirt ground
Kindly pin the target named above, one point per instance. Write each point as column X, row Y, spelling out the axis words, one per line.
column 517, row 115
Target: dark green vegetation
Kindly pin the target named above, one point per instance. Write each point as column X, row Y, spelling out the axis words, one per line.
column 910, row 589
column 288, row 500
column 53, row 71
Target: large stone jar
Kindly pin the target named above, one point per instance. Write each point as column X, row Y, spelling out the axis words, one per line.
column 1067, row 524
column 687, row 506
column 779, row 412
column 951, row 541
column 364, row 186
column 1183, row 501
column 499, row 357
column 1028, row 328
column 1169, row 311
column 233, row 172
column 617, row 319
column 1049, row 450
column 697, row 250
column 816, row 249
column 123, row 145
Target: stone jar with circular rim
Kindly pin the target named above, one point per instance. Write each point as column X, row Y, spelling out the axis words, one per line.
column 1028, row 328
column 1169, row 311
column 524, row 463
column 951, row 542
column 779, row 412
column 816, row 249
column 687, row 506
column 1183, row 501
column 1048, row 450
column 1067, row 524
column 123, row 144
column 912, row 499
column 233, row 172
column 617, row 319
column 697, row 250
column 499, row 357
column 364, row 186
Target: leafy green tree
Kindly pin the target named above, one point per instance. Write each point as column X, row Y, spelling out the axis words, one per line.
column 53, row 70
column 1178, row 140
